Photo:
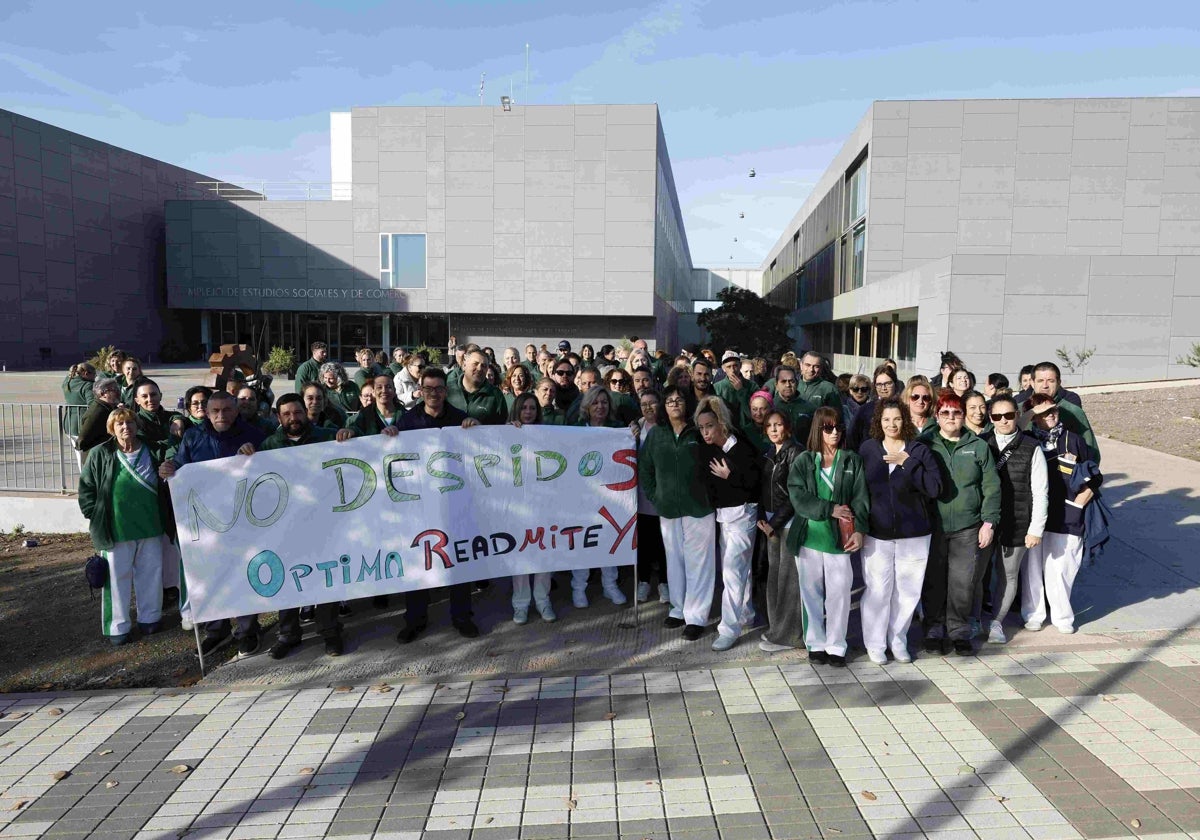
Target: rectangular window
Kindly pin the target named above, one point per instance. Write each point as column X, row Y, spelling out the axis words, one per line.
column 858, row 257
column 402, row 261
column 906, row 349
column 856, row 193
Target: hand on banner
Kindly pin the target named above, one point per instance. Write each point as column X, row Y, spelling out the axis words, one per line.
column 246, row 449
column 344, row 435
column 516, row 424
column 470, row 423
column 166, row 469
column 389, row 431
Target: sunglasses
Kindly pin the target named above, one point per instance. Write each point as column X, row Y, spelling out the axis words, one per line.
column 830, row 429
column 1004, row 415
column 920, row 398
column 563, row 372
column 861, row 389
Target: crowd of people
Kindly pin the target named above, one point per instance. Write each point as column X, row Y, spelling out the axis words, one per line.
column 954, row 505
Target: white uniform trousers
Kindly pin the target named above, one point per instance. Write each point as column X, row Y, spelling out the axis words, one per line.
column 523, row 593
column 825, row 582
column 690, row 544
column 132, row 565
column 894, row 571
column 1049, row 574
column 608, row 577
column 737, row 551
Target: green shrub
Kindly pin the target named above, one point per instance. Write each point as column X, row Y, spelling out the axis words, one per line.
column 281, row 361
column 434, row 354
column 100, row 359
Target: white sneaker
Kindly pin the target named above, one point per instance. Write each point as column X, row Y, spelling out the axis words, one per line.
column 767, row 646
column 185, row 624
column 547, row 613
column 724, row 642
column 996, row 634
column 877, row 658
column 901, row 655
column 579, row 599
column 1033, row 626
column 1066, row 631
column 615, row 595
column 521, row 616
column 643, row 591
column 664, row 594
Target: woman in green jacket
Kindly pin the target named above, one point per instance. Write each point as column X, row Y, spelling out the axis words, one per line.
column 77, row 394
column 546, row 392
column 826, row 485
column 339, row 390
column 128, row 513
column 669, row 468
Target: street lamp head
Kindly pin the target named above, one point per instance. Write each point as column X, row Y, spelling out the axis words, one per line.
column 506, row 103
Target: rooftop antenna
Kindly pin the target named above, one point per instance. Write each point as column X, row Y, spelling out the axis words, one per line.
column 527, row 74
column 481, row 77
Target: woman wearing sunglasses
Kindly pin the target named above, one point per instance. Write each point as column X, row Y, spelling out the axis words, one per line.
column 619, row 383
column 968, row 511
column 919, row 396
column 902, row 479
column 1023, row 504
column 858, row 394
column 826, row 484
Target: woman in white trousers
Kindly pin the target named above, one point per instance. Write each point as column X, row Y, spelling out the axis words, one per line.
column 524, row 411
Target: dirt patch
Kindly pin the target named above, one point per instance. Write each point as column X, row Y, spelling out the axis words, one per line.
column 1165, row 419
column 50, row 626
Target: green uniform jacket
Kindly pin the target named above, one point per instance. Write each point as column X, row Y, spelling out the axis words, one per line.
column 93, row 426
column 77, row 394
column 370, row 422
column 307, row 373
column 485, row 405
column 155, row 430
column 345, row 399
column 278, row 439
column 532, row 367
column 95, row 494
column 361, row 376
column 849, row 488
column 669, row 471
column 970, row 482
column 819, row 393
column 738, row 399
column 554, row 417
column 1075, row 420
column 800, row 413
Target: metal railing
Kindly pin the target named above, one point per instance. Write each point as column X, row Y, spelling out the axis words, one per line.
column 278, row 190
column 36, row 452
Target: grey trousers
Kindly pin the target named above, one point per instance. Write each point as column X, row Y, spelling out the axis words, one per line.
column 951, row 577
column 243, row 625
column 785, row 611
column 1005, row 591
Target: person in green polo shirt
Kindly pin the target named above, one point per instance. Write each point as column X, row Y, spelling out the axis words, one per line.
column 812, row 387
column 733, row 389
column 310, row 370
column 472, row 393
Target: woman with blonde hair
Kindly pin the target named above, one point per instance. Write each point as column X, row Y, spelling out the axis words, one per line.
column 919, row 397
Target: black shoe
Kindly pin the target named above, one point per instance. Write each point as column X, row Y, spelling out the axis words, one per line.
column 820, row 657
column 410, row 633
column 248, row 645
column 466, row 628
column 963, row 647
column 171, row 596
column 307, row 615
column 946, row 646
column 932, row 645
column 380, row 602
column 151, row 628
column 344, row 609
column 836, row 661
column 692, row 632
column 481, row 585
column 210, row 644
column 672, row 623
column 282, row 648
column 334, row 646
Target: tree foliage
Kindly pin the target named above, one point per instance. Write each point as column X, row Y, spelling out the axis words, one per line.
column 747, row 323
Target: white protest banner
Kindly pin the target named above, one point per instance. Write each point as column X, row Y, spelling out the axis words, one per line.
column 337, row 521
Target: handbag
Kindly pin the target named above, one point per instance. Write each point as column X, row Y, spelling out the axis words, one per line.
column 95, row 570
column 845, row 532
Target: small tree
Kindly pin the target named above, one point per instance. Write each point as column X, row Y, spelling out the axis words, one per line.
column 1192, row 359
column 746, row 323
column 100, row 360
column 280, row 362
column 1075, row 363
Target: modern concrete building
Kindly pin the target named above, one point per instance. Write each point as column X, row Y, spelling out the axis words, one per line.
column 497, row 225
column 1004, row 230
column 81, row 248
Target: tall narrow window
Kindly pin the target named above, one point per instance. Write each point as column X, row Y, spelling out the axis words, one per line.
column 402, row 261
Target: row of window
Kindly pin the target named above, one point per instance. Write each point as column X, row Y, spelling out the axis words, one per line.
column 840, row 338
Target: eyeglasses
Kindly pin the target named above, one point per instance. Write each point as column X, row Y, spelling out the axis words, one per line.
column 950, row 415
column 886, row 383
column 862, row 389
column 675, row 402
column 1004, row 415
column 920, row 398
column 438, row 389
column 830, row 429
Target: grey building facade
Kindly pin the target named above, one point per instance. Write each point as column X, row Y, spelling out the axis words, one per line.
column 1004, row 230
column 81, row 248
column 495, row 225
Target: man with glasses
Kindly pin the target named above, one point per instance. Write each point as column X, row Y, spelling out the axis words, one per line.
column 799, row 411
column 473, row 394
column 563, row 376
column 886, row 387
column 813, row 387
column 434, row 411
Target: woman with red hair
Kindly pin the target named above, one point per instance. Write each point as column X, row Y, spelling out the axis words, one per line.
column 968, row 511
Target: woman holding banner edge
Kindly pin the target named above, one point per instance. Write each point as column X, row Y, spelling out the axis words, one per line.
column 525, row 411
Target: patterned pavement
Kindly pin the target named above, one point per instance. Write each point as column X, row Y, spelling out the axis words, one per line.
column 1080, row 743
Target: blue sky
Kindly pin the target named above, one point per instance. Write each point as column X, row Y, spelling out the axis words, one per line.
column 242, row 91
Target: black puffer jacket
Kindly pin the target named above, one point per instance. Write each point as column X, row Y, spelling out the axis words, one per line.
column 776, row 505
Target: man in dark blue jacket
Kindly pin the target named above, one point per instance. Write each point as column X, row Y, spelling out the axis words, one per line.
column 223, row 433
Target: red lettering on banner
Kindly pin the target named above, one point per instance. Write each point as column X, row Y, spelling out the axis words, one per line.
column 628, row 458
column 435, row 543
column 621, row 532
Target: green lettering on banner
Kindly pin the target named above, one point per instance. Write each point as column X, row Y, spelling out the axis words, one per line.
column 280, row 505
column 269, row 560
column 515, row 450
column 482, row 462
column 590, row 464
column 436, row 473
column 394, row 494
column 198, row 512
column 560, row 461
column 365, row 492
